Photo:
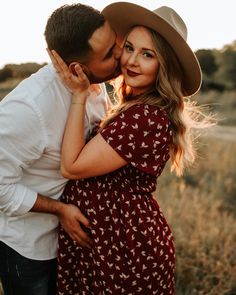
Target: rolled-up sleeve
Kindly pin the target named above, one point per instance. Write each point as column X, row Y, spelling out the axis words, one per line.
column 22, row 140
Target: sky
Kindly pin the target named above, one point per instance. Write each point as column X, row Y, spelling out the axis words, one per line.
column 211, row 24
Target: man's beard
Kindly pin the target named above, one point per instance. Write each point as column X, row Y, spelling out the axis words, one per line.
column 95, row 79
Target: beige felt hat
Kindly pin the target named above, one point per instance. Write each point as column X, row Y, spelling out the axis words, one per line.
column 123, row 15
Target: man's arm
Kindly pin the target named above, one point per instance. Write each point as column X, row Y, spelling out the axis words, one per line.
column 22, row 142
column 69, row 216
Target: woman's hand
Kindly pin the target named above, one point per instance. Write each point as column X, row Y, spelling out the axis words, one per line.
column 78, row 83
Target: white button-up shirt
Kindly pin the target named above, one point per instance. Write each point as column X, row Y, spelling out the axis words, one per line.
column 32, row 121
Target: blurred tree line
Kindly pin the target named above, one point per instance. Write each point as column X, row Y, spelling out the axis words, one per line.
column 218, row 67
column 20, row 71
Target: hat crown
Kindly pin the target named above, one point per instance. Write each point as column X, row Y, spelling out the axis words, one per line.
column 173, row 19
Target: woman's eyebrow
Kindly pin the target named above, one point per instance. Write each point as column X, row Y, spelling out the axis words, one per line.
column 143, row 48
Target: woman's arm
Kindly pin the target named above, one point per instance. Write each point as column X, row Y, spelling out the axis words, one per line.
column 80, row 160
column 97, row 157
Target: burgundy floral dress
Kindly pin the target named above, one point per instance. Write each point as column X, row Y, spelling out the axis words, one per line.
column 133, row 251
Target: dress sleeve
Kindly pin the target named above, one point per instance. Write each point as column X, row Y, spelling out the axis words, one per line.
column 141, row 135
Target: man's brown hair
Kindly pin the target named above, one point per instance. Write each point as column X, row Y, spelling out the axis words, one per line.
column 69, row 28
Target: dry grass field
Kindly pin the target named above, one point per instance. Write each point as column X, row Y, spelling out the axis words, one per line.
column 201, row 209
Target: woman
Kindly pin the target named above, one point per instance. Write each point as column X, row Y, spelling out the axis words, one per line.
column 115, row 173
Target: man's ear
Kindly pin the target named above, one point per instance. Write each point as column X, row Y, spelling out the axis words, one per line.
column 72, row 68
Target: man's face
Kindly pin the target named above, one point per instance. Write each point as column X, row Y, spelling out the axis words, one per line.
column 104, row 60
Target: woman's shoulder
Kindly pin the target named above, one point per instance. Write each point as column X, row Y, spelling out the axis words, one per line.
column 146, row 112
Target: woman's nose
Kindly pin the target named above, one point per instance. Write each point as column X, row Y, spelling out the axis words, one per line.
column 132, row 60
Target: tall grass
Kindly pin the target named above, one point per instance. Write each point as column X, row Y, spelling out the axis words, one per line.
column 200, row 208
column 224, row 103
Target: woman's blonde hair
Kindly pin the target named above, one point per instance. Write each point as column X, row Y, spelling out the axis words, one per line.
column 167, row 94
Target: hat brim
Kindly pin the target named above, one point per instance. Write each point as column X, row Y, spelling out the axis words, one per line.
column 122, row 16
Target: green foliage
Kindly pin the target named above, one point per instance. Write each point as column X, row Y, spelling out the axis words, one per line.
column 207, row 61
column 218, row 67
column 5, row 74
column 23, row 70
column 12, row 74
column 231, row 46
column 227, row 69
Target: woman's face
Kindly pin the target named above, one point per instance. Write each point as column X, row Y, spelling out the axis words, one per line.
column 139, row 63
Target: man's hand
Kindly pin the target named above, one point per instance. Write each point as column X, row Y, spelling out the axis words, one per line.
column 72, row 76
column 69, row 215
column 71, row 219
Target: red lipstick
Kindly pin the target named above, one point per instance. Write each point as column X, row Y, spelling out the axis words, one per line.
column 131, row 73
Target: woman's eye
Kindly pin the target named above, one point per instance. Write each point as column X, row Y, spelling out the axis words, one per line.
column 128, row 48
column 147, row 54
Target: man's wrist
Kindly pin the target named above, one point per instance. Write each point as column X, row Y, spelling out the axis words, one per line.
column 47, row 205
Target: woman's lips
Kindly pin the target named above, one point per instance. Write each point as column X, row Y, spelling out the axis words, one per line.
column 131, row 73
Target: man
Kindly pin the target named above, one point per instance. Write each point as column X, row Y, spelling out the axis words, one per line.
column 32, row 119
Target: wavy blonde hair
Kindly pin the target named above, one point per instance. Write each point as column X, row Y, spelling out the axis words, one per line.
column 166, row 94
